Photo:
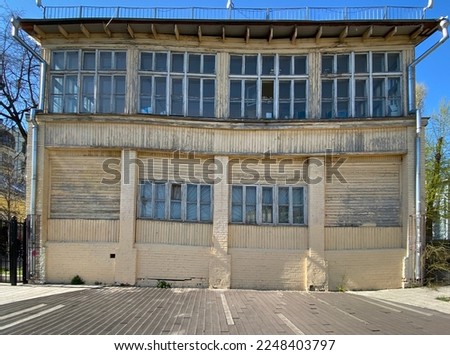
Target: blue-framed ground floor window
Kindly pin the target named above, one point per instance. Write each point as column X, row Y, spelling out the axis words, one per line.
column 175, row 201
column 271, row 205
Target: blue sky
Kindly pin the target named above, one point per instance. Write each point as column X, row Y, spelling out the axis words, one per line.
column 434, row 71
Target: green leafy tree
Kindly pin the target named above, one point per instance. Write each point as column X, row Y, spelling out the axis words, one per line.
column 437, row 159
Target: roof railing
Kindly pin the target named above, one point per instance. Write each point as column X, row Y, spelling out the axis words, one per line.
column 247, row 14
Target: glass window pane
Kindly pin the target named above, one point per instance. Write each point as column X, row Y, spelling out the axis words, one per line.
column 250, row 99
column 283, row 205
column 146, row 85
column 71, row 84
column 297, row 203
column 120, row 60
column 236, row 213
column 205, row 194
column 285, row 90
column 361, row 63
column 177, row 62
column 105, row 85
column 343, row 63
column 57, row 85
column 300, row 89
column 267, row 98
column 267, row 205
column 58, row 61
column 175, row 210
column 378, row 63
column 250, row 204
column 205, row 212
column 191, row 211
column 146, row 200
column 70, row 104
column 191, row 195
column 161, row 62
column 251, row 64
column 146, row 61
column 106, row 60
column 361, row 98
column 194, row 97
column 160, row 191
column 87, row 94
column 209, row 64
column 88, row 60
column 284, row 65
column 160, row 96
column 194, row 63
column 119, row 85
column 72, row 60
column 327, row 89
column 327, row 64
column 236, row 204
column 394, row 97
column 176, row 192
column 235, row 98
column 160, row 198
column 300, row 65
column 393, row 62
column 236, row 64
column 177, row 97
column 209, row 88
column 268, row 65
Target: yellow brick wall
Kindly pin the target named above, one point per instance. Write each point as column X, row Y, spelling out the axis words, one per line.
column 181, row 266
column 365, row 269
column 90, row 261
column 268, row 269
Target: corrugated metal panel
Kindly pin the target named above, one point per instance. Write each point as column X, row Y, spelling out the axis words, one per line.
column 157, row 232
column 261, row 237
column 83, row 230
column 369, row 195
column 346, row 238
column 76, row 188
column 230, row 139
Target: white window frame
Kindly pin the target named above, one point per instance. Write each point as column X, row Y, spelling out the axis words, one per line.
column 274, row 76
column 184, row 76
column 168, row 201
column 370, row 76
column 275, row 209
column 96, row 72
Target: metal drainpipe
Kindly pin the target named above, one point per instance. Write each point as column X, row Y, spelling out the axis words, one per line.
column 418, row 166
column 15, row 22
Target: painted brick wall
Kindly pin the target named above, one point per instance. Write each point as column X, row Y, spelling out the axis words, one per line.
column 365, row 269
column 181, row 266
column 268, row 269
column 90, row 261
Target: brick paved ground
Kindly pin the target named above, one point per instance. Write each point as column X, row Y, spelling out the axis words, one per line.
column 115, row 310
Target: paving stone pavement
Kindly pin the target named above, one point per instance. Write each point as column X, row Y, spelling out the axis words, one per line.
column 130, row 310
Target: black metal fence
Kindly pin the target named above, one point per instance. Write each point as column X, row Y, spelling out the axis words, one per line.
column 14, row 251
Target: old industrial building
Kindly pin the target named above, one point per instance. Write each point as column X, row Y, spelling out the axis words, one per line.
column 226, row 148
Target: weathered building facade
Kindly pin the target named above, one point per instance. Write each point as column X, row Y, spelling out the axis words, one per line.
column 222, row 152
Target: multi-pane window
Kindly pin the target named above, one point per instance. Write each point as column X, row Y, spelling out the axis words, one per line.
column 175, row 201
column 361, row 85
column 267, row 205
column 88, row 82
column 268, row 86
column 177, row 84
